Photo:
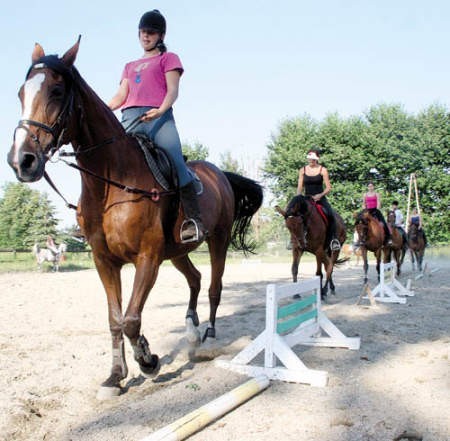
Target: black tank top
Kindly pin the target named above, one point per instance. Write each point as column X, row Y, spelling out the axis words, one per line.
column 313, row 184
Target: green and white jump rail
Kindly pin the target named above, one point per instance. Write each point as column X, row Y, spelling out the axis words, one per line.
column 290, row 322
column 389, row 289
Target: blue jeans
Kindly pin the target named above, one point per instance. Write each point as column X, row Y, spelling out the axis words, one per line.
column 163, row 132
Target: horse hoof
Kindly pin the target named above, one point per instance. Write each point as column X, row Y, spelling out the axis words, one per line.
column 150, row 370
column 210, row 333
column 107, row 393
column 192, row 333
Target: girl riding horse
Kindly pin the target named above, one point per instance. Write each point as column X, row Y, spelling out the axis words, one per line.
column 123, row 211
column 312, row 178
column 372, row 203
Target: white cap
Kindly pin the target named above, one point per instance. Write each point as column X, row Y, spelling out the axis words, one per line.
column 312, row 155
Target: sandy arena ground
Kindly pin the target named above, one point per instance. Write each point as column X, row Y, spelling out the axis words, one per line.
column 55, row 352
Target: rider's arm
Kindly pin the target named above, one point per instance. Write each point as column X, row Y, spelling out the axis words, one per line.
column 327, row 189
column 121, row 95
column 173, row 82
column 378, row 201
column 300, row 181
column 326, row 180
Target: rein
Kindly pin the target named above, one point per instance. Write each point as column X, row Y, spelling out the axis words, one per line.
column 153, row 194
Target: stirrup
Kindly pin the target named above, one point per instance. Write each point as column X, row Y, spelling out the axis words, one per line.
column 335, row 245
column 187, row 224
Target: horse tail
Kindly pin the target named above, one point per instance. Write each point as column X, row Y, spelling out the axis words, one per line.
column 248, row 197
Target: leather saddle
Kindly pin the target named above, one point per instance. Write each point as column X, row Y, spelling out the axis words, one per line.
column 161, row 165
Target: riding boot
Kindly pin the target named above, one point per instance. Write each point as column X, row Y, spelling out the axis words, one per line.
column 192, row 228
column 335, row 245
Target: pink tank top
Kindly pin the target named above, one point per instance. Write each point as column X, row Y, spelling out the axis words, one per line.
column 370, row 201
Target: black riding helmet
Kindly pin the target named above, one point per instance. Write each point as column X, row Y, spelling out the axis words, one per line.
column 153, row 21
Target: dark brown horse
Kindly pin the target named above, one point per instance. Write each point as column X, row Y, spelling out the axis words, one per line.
column 399, row 241
column 371, row 238
column 124, row 213
column 308, row 233
column 416, row 243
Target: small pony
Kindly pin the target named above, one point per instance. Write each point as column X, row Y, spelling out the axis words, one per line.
column 44, row 254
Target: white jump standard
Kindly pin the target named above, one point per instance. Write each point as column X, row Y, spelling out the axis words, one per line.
column 295, row 322
column 390, row 289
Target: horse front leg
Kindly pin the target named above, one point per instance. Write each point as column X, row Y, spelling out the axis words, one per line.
column 419, row 259
column 144, row 279
column 397, row 260
column 296, row 255
column 319, row 260
column 110, row 276
column 411, row 254
column 328, row 263
column 365, row 264
column 193, row 278
column 378, row 258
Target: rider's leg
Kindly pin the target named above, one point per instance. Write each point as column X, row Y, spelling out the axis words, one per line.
column 163, row 132
column 331, row 230
column 387, row 234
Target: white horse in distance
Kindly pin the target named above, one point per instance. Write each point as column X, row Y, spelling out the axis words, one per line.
column 44, row 254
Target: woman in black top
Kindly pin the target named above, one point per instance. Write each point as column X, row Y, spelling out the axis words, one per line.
column 311, row 179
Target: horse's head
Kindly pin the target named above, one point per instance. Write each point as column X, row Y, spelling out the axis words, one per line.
column 390, row 218
column 294, row 217
column 413, row 232
column 362, row 225
column 46, row 98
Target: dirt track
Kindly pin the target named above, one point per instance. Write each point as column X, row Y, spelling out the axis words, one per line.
column 55, row 352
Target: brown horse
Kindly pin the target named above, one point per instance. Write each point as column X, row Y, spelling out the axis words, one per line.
column 416, row 243
column 122, row 222
column 371, row 238
column 399, row 241
column 308, row 233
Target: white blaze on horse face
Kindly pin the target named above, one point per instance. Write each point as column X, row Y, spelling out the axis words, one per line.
column 31, row 89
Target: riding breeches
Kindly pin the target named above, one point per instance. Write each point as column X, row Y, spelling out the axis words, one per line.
column 163, row 132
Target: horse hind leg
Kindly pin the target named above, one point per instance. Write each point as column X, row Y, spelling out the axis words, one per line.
column 193, row 277
column 218, row 252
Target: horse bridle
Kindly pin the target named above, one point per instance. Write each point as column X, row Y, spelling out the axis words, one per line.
column 57, row 129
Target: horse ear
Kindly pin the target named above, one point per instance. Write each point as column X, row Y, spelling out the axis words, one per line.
column 38, row 52
column 279, row 210
column 69, row 57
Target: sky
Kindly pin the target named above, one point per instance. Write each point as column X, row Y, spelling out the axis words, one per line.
column 249, row 65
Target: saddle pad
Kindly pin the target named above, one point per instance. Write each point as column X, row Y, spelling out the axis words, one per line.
column 158, row 162
column 321, row 212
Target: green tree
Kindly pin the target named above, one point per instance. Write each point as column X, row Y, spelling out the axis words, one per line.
column 195, row 152
column 228, row 163
column 26, row 217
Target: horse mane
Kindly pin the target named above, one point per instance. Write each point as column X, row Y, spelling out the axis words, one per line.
column 298, row 205
column 102, row 110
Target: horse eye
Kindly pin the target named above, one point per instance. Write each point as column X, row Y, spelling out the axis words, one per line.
column 57, row 93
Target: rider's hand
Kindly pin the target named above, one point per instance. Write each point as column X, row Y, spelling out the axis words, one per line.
column 151, row 114
column 316, row 197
